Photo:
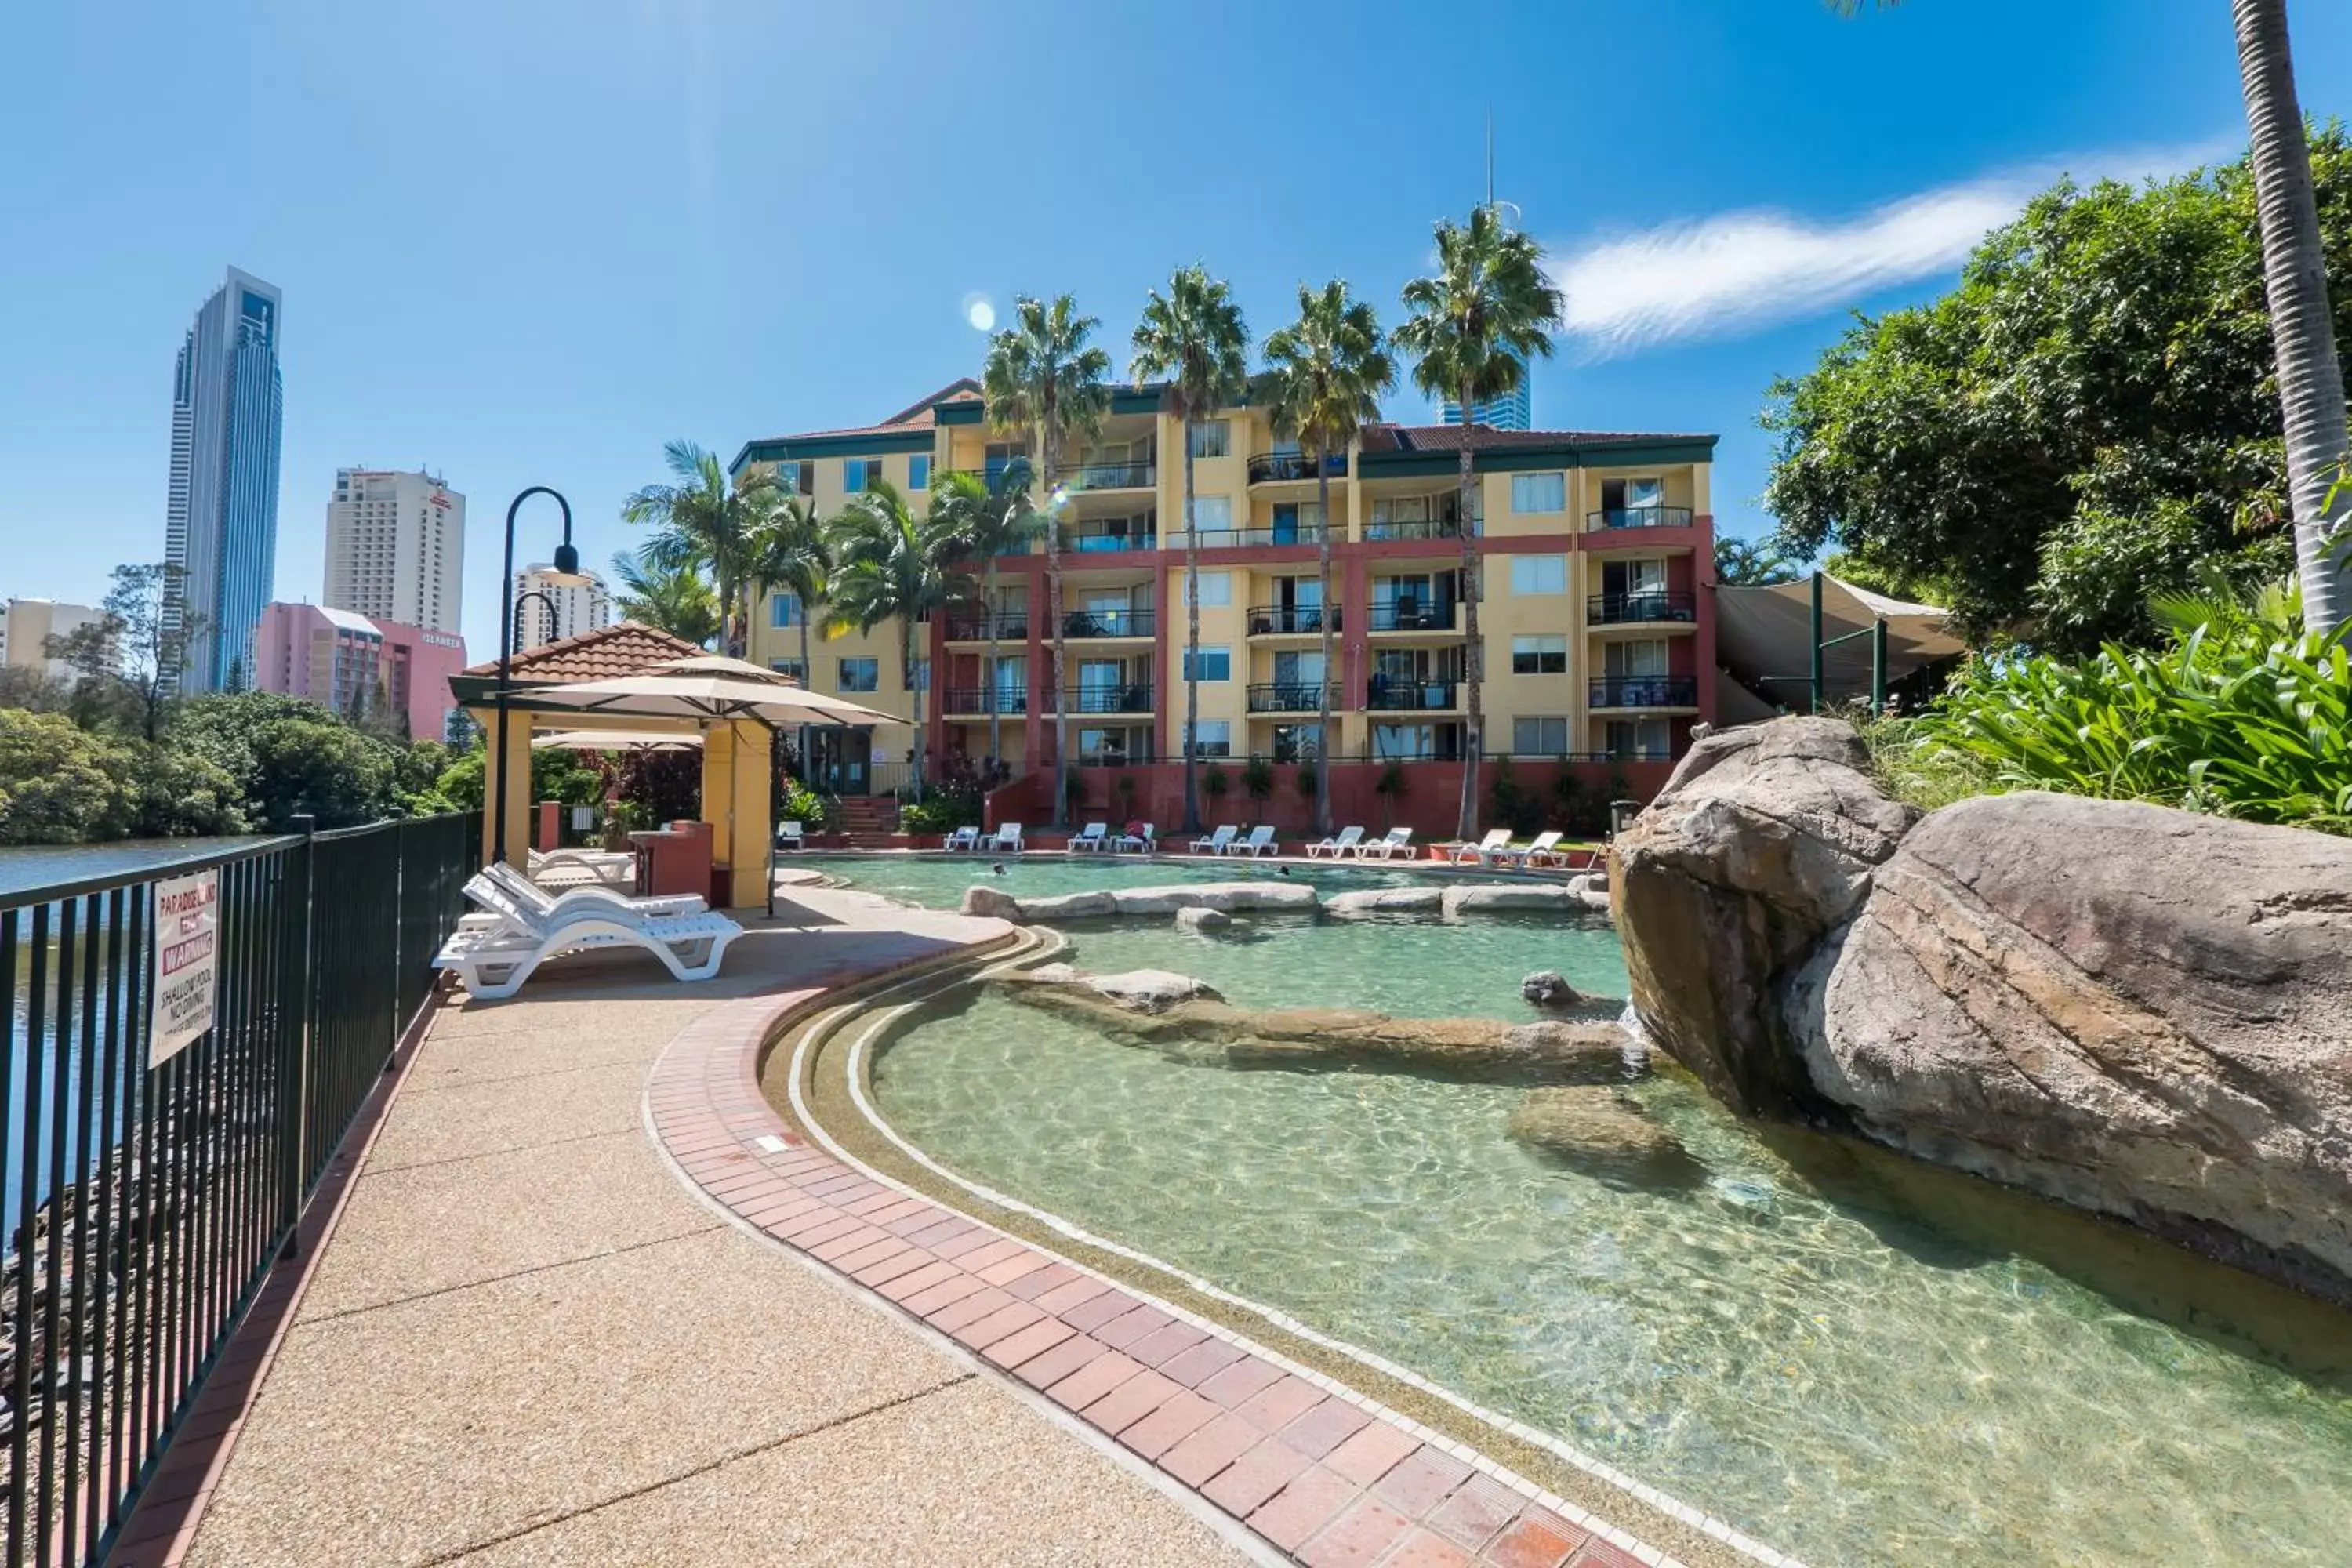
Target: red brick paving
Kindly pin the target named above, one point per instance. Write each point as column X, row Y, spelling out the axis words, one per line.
column 1326, row 1481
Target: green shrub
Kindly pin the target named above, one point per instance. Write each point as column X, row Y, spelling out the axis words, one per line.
column 1257, row 782
column 800, row 804
column 1514, row 807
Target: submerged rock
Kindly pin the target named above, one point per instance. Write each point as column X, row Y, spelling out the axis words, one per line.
column 1136, row 991
column 1202, row 920
column 1554, row 897
column 1603, row 1132
column 1549, row 988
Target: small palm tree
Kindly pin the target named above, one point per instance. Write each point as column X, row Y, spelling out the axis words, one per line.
column 1194, row 337
column 702, row 521
column 1325, row 374
column 1486, row 310
column 676, row 600
column 890, row 565
column 990, row 522
column 1044, row 379
column 788, row 550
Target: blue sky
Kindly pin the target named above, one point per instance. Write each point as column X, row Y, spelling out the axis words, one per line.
column 529, row 243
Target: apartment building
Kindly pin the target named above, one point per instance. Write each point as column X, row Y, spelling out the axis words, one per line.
column 549, row 607
column 396, row 549
column 359, row 667
column 1593, row 553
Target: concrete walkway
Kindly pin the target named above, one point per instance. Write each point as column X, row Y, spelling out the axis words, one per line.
column 528, row 1344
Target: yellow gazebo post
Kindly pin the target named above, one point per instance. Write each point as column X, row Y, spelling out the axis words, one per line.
column 735, row 759
column 518, row 800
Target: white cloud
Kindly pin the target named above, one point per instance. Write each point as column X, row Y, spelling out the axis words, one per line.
column 1742, row 270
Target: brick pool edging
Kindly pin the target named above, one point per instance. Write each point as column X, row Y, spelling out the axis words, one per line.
column 1309, row 1466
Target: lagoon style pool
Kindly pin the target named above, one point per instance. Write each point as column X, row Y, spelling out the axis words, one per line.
column 1855, row 1357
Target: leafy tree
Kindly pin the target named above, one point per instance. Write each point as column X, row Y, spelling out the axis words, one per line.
column 702, row 521
column 1486, row 310
column 1751, row 563
column 59, row 783
column 1257, row 782
column 2077, row 425
column 990, row 522
column 1325, row 374
column 789, row 550
column 1194, row 337
column 129, row 658
column 674, row 599
column 893, row 566
column 328, row 772
column 176, row 795
column 1044, row 379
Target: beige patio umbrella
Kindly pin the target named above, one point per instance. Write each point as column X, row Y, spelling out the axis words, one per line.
column 617, row 740
column 711, row 687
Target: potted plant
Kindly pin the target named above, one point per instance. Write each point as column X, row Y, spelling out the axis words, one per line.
column 1257, row 782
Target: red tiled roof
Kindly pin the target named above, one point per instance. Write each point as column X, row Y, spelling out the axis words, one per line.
column 1448, row 437
column 625, row 648
column 914, row 417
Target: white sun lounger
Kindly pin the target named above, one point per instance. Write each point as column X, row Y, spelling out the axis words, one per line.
column 788, row 835
column 1543, row 850
column 1095, row 837
column 1496, row 839
column 1259, row 842
column 548, row 903
column 583, row 869
column 962, row 838
column 1216, row 842
column 1007, row 840
column 1144, row 843
column 494, row 959
column 1335, row 848
column 1399, row 841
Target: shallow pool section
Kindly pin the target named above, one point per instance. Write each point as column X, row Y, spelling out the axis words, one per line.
column 938, row 881
column 1852, row 1357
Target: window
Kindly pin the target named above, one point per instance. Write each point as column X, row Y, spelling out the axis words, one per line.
column 1539, row 492
column 918, row 471
column 860, row 674
column 784, row 610
column 797, row 478
column 1216, row 663
column 1534, row 737
column 1634, row 660
column 1212, row 514
column 1539, row 573
column 1640, row 739
column 1214, row 738
column 1539, row 655
column 857, row 473
column 1296, row 742
column 1212, row 590
column 791, row 666
column 1212, row 438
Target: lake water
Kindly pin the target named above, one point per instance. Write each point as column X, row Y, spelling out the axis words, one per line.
column 27, row 867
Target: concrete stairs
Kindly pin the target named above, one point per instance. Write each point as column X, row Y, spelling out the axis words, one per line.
column 866, row 821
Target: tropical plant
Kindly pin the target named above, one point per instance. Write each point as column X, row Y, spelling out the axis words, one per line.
column 1486, row 310
column 1257, row 782
column 1324, row 377
column 891, row 565
column 703, row 521
column 1043, row 379
column 1215, row 783
column 1390, row 786
column 789, row 552
column 991, row 521
column 1194, row 339
column 1752, row 563
column 673, row 599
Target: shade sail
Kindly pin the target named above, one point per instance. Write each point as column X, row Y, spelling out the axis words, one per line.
column 1764, row 636
column 618, row 741
column 693, row 688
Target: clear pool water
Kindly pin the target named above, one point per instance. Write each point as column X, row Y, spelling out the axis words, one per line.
column 938, row 881
column 1855, row 1357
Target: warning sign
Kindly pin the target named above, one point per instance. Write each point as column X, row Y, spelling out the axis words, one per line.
column 187, row 942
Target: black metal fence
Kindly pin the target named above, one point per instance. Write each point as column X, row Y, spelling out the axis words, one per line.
column 149, row 1199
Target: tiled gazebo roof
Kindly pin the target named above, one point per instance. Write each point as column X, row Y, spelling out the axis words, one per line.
column 625, row 648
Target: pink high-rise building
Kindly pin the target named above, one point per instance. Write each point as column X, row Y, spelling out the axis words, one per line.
column 358, row 666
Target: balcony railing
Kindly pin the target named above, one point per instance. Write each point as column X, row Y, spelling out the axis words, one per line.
column 1414, row 528
column 1108, row 623
column 1132, row 697
column 1273, row 468
column 1095, row 544
column 1111, row 477
column 1639, row 609
column 985, row 699
column 1388, row 694
column 1412, row 615
column 1292, row 697
column 1639, row 517
column 1268, row 620
column 1111, row 758
column 1249, row 537
column 1007, row 626
column 1644, row 691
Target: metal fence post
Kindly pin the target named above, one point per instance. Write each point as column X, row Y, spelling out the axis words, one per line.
column 294, row 1033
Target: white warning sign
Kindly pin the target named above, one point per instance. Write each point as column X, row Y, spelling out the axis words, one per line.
column 187, row 959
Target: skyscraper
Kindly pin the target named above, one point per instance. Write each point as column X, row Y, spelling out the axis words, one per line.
column 554, row 610
column 221, row 527
column 1515, row 410
column 395, row 548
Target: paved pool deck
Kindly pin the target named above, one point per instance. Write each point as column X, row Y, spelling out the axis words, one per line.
column 585, row 1297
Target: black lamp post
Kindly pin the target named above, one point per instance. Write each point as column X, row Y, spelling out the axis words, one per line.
column 567, row 573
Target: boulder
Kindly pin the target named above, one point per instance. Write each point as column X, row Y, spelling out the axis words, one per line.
column 1369, row 903
column 991, row 902
column 1549, row 988
column 1550, row 896
column 1764, row 839
column 1602, row 1132
column 1273, row 893
column 2143, row 1012
column 1202, row 920
column 1092, row 904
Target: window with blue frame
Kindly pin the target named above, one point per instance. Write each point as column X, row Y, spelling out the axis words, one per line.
column 858, row 473
column 784, row 610
column 861, row 674
column 918, row 471
column 1216, row 663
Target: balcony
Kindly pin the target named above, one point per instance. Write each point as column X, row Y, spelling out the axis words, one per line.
column 1414, row 527
column 1278, row 468
column 1276, row 620
column 1639, row 517
column 1109, row 477
column 1005, row 626
column 1108, row 623
column 1132, row 697
column 1080, row 541
column 1645, row 608
column 1292, row 697
column 1387, row 694
column 984, row 700
column 1249, row 537
column 1644, row 692
column 1412, row 615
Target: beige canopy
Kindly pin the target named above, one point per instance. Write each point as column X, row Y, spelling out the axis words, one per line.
column 1764, row 638
column 711, row 687
column 618, row 741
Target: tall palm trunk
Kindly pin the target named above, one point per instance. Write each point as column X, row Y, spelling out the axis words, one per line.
column 1191, row 645
column 1473, row 653
column 2294, row 277
column 907, row 662
column 995, row 718
column 1052, row 454
column 1323, row 686
column 808, row 670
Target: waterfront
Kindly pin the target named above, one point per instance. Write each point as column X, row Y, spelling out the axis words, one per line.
column 24, row 867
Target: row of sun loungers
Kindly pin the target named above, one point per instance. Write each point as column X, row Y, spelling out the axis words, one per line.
column 521, row 925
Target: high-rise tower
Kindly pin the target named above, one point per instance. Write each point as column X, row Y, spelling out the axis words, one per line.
column 396, row 549
column 221, row 526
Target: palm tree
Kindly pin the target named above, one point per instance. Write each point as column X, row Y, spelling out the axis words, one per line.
column 676, row 600
column 990, row 521
column 2294, row 277
column 1194, row 336
column 1044, row 378
column 788, row 550
column 703, row 521
column 1487, row 310
column 1325, row 374
column 890, row 565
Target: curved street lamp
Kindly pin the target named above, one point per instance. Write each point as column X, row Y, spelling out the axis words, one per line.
column 567, row 575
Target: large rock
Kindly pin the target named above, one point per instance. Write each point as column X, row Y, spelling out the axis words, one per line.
column 992, row 902
column 2140, row 1011
column 1603, row 1134
column 1202, row 920
column 1552, row 897
column 1763, row 840
column 1110, row 903
column 1135, row 990
column 1374, row 903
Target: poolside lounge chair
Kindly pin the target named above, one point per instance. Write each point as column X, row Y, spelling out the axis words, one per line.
column 788, row 835
column 1094, row 836
column 1216, row 842
column 1007, row 839
column 1259, row 842
column 1335, row 848
column 1540, row 851
column 1464, row 853
column 583, row 869
column 494, row 958
column 965, row 838
column 1141, row 838
column 1398, row 842
column 549, row 903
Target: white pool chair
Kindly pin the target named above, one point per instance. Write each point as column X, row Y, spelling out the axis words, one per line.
column 1215, row 843
column 1144, row 843
column 547, row 902
column 962, row 838
column 1259, row 842
column 1335, row 848
column 1542, row 850
column 1464, row 854
column 788, row 835
column 1007, row 839
column 493, row 958
column 1095, row 838
column 1399, row 841
column 583, row 869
